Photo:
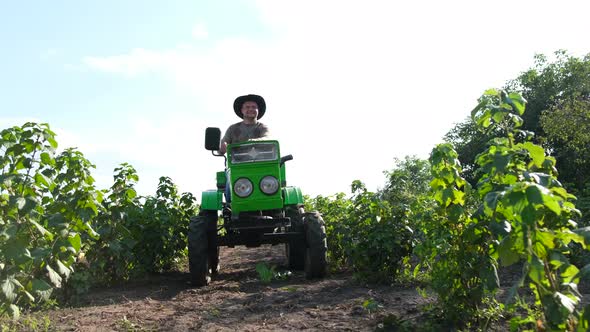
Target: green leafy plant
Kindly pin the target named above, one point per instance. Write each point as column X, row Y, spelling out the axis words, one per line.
column 455, row 246
column 363, row 234
column 370, row 305
column 265, row 273
column 110, row 257
column 30, row 323
column 529, row 212
column 160, row 229
column 47, row 204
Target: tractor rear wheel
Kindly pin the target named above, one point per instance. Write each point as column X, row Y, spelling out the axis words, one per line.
column 316, row 263
column 295, row 248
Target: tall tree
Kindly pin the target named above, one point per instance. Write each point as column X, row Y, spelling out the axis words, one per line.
column 558, row 100
column 558, row 111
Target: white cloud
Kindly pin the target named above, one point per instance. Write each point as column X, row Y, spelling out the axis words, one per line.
column 136, row 62
column 200, row 31
column 350, row 85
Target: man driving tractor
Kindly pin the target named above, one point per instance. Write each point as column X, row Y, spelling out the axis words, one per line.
column 250, row 108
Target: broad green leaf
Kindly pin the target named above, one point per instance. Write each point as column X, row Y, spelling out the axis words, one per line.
column 46, row 158
column 20, row 202
column 14, row 311
column 40, row 254
column 498, row 116
column 553, row 310
column 437, row 183
column 546, row 238
column 447, row 196
column 53, row 276
column 518, row 101
column 8, row 289
column 416, row 270
column 75, row 241
column 540, row 250
column 567, row 236
column 534, row 195
column 64, row 270
column 42, row 180
column 552, row 204
column 16, row 251
column 42, row 230
column 57, row 220
column 506, row 106
column 584, row 232
column 41, row 288
column 491, row 92
column 529, row 215
column 516, row 199
column 506, row 253
column 540, row 178
column 536, row 152
column 557, row 259
column 561, row 192
column 536, row 270
column 570, row 274
column 566, row 302
column 131, row 193
column 52, row 142
column 490, row 202
column 458, row 197
column 500, row 162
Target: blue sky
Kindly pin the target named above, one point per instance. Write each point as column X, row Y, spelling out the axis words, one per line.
column 350, row 85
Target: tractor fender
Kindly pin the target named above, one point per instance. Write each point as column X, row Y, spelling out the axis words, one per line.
column 292, row 196
column 211, row 200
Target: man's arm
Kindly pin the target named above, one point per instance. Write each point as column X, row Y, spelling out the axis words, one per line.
column 222, row 147
column 225, row 141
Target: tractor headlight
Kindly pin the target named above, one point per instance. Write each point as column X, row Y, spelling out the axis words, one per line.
column 243, row 187
column 269, row 185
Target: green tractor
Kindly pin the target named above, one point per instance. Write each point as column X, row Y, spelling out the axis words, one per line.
column 259, row 209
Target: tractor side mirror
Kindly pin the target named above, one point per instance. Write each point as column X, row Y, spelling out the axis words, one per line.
column 212, row 138
column 286, row 158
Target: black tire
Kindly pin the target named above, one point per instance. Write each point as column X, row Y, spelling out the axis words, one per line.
column 316, row 262
column 214, row 259
column 203, row 253
column 295, row 248
column 213, row 248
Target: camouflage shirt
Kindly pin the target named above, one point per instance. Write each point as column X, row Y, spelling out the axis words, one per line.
column 240, row 132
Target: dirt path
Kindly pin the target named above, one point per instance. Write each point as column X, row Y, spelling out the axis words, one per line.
column 237, row 300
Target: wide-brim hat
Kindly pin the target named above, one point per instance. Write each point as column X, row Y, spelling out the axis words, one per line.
column 255, row 98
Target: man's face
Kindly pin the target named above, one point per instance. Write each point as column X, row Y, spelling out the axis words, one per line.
column 250, row 110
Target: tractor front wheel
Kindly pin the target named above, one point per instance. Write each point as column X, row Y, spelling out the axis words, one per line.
column 203, row 252
column 316, row 265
